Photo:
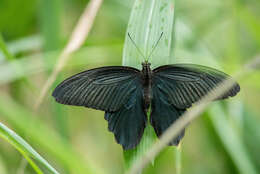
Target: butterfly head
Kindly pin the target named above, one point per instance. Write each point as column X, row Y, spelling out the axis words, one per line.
column 146, row 64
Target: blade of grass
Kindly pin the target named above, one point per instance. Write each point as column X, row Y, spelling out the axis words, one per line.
column 231, row 140
column 4, row 49
column 29, row 65
column 242, row 156
column 25, row 149
column 25, row 44
column 22, row 167
column 50, row 17
column 250, row 21
column 77, row 38
column 149, row 18
column 11, row 58
column 147, row 140
column 50, row 11
column 3, row 166
column 44, row 137
column 251, row 134
column 190, row 115
column 178, row 159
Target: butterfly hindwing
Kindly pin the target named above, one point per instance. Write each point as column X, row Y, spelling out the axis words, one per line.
column 129, row 121
column 185, row 84
column 164, row 114
column 105, row 88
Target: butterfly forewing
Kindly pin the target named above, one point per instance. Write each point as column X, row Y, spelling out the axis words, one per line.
column 185, row 84
column 105, row 88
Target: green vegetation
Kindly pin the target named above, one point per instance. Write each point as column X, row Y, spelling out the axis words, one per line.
column 222, row 34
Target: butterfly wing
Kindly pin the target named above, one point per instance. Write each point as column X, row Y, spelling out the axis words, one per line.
column 176, row 87
column 105, row 88
column 164, row 114
column 129, row 121
column 185, row 84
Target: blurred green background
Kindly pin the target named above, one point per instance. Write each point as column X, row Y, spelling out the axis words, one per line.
column 224, row 34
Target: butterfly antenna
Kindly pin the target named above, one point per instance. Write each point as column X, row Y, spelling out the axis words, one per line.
column 138, row 49
column 155, row 45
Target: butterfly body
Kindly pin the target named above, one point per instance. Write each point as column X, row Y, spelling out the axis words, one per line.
column 126, row 94
column 147, row 84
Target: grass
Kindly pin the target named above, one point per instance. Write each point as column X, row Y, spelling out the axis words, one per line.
column 222, row 34
column 25, row 149
column 148, row 21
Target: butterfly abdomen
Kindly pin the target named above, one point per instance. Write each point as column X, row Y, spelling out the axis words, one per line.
column 147, row 85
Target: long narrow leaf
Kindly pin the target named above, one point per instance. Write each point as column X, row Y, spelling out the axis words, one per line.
column 4, row 49
column 44, row 137
column 25, row 149
column 231, row 140
column 149, row 19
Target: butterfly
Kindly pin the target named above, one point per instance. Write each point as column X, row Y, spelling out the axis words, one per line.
column 126, row 94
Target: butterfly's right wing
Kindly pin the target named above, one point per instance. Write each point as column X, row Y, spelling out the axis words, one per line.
column 185, row 84
column 105, row 88
column 176, row 87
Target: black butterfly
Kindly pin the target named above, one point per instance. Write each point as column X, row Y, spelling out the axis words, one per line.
column 126, row 93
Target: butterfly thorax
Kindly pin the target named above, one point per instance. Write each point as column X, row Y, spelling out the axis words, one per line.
column 146, row 79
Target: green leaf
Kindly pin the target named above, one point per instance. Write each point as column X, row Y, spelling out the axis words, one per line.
column 49, row 13
column 146, row 142
column 44, row 136
column 25, row 149
column 231, row 140
column 228, row 133
column 4, row 49
column 28, row 65
column 148, row 20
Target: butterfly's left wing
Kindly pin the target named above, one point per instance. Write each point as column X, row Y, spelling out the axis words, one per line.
column 104, row 88
column 129, row 121
column 117, row 90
